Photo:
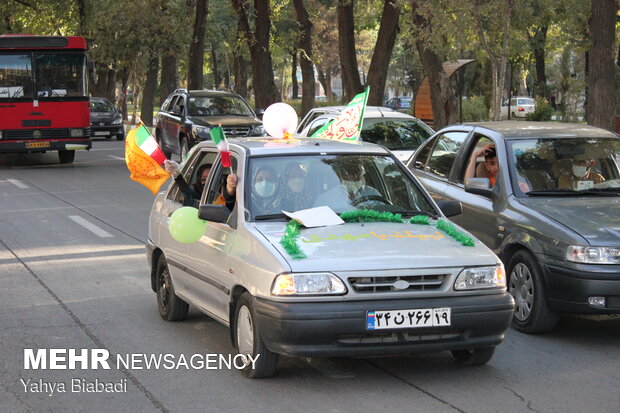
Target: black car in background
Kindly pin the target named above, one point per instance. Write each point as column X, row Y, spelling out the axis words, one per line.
column 105, row 120
column 186, row 118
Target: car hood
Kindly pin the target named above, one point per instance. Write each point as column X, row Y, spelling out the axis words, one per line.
column 226, row 120
column 102, row 116
column 376, row 246
column 591, row 217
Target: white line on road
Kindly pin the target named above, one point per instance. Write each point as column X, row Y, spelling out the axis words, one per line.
column 117, row 157
column 89, row 226
column 17, row 183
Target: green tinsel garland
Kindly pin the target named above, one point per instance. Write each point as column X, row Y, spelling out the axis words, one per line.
column 292, row 232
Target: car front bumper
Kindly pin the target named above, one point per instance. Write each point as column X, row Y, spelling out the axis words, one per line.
column 106, row 131
column 569, row 287
column 43, row 145
column 332, row 329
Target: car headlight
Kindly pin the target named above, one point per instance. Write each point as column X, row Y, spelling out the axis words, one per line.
column 593, row 255
column 258, row 130
column 307, row 284
column 76, row 133
column 481, row 277
column 117, row 121
column 203, row 132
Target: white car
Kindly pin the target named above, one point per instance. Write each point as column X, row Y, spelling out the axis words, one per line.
column 519, row 107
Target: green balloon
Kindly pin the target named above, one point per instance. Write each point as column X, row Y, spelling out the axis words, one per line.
column 185, row 226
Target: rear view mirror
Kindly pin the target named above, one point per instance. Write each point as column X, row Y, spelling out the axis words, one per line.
column 479, row 186
column 450, row 208
column 213, row 213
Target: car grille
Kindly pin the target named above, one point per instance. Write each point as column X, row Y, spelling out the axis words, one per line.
column 236, row 131
column 400, row 337
column 397, row 284
column 51, row 133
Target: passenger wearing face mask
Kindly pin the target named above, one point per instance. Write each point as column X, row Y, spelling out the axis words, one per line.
column 581, row 176
column 265, row 199
column 293, row 192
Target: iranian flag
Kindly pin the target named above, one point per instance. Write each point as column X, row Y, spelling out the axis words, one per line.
column 144, row 158
column 148, row 144
column 219, row 138
column 347, row 126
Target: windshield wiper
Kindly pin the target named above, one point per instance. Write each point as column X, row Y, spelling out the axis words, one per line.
column 570, row 192
column 267, row 217
column 414, row 212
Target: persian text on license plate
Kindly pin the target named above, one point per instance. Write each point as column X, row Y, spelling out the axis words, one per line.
column 425, row 317
column 102, row 133
column 37, row 144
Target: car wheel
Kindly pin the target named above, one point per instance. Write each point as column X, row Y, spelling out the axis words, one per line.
column 171, row 307
column 248, row 341
column 184, row 149
column 66, row 156
column 474, row 356
column 532, row 313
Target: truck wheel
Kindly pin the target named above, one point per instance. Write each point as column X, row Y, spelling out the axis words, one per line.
column 532, row 312
column 171, row 307
column 66, row 156
column 474, row 356
column 248, row 341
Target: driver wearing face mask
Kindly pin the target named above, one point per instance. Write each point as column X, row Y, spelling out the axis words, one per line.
column 581, row 176
column 265, row 199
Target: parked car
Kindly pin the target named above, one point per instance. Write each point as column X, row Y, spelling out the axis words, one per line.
column 399, row 132
column 401, row 104
column 186, row 118
column 558, row 235
column 338, row 298
column 105, row 120
column 520, row 106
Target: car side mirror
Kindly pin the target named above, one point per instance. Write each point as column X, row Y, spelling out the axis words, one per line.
column 450, row 208
column 213, row 213
column 479, row 186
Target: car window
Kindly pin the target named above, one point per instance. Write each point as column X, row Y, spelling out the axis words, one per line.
column 218, row 106
column 172, row 103
column 166, row 103
column 217, row 181
column 420, row 158
column 342, row 182
column 309, row 118
column 525, row 102
column 395, row 134
column 444, row 153
column 101, row 106
column 190, row 175
column 316, row 125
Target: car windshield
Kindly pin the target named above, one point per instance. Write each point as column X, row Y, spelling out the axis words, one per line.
column 15, row 76
column 101, row 106
column 341, row 182
column 565, row 166
column 59, row 75
column 525, row 101
column 395, row 134
column 218, row 106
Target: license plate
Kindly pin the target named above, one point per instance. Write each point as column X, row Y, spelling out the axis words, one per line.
column 37, row 144
column 102, row 133
column 425, row 317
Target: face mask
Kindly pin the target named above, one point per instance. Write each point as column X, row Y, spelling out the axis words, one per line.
column 580, row 171
column 353, row 186
column 296, row 184
column 265, row 188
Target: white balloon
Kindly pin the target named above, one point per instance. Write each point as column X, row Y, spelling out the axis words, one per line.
column 279, row 118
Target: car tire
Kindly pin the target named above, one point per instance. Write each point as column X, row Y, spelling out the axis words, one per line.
column 171, row 307
column 183, row 149
column 248, row 340
column 66, row 156
column 532, row 312
column 474, row 356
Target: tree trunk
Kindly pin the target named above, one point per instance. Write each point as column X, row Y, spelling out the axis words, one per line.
column 294, row 84
column 539, row 41
column 601, row 92
column 305, row 51
column 217, row 80
column 81, row 16
column 501, row 81
column 346, row 48
column 197, row 47
column 443, row 99
column 265, row 89
column 169, row 76
column 111, row 86
column 122, row 99
column 378, row 70
column 240, row 66
column 322, row 79
column 148, row 95
column 329, row 91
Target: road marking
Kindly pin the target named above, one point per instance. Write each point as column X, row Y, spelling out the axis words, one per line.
column 17, row 183
column 89, row 226
column 117, row 157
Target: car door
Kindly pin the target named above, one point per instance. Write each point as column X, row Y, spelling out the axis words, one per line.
column 433, row 162
column 207, row 259
column 166, row 121
column 480, row 213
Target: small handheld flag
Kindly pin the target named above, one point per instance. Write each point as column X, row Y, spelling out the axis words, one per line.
column 144, row 158
column 219, row 138
column 347, row 126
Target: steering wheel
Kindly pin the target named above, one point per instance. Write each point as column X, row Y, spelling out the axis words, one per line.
column 367, row 198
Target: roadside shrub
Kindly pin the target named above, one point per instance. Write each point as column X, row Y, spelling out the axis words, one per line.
column 474, row 109
column 542, row 112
